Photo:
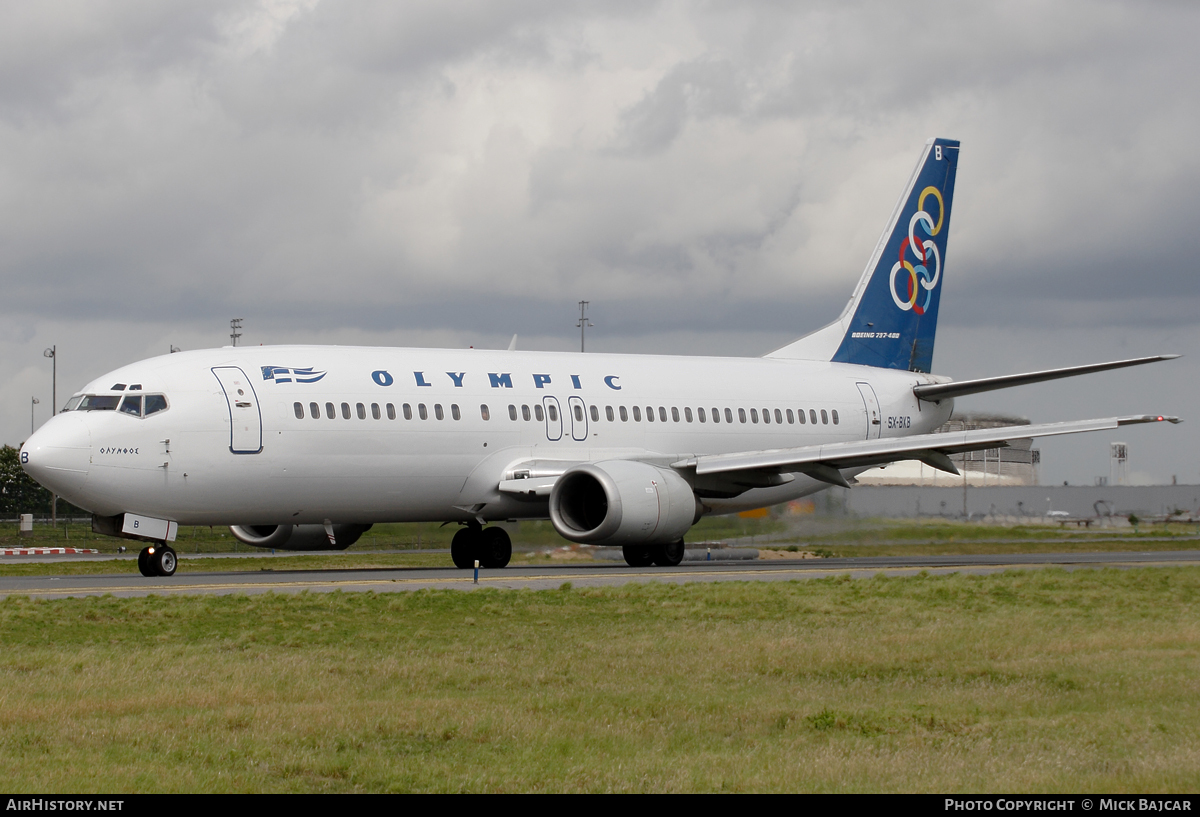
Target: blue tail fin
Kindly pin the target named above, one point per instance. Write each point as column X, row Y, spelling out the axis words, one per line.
column 891, row 319
column 896, row 317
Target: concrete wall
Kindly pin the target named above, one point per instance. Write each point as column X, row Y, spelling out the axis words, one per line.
column 909, row 501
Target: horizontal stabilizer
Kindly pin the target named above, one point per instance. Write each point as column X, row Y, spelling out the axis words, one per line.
column 936, row 392
column 933, row 449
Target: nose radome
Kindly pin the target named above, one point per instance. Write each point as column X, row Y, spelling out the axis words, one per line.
column 59, row 454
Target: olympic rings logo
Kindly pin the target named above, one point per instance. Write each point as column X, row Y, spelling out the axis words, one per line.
column 923, row 252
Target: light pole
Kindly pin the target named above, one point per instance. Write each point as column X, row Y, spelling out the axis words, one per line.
column 31, row 405
column 235, row 330
column 584, row 323
column 52, row 353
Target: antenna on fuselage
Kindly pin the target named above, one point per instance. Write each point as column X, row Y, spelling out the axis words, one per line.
column 235, row 326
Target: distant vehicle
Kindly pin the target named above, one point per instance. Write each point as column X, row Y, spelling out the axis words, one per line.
column 305, row 447
column 1058, row 514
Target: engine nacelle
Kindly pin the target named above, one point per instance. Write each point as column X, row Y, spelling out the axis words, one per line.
column 297, row 537
column 622, row 502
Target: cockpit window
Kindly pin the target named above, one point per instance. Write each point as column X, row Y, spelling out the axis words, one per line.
column 155, row 403
column 99, row 402
column 136, row 387
column 132, row 404
column 73, row 403
column 118, row 387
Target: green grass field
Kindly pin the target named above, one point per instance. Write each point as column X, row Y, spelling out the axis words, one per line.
column 386, row 545
column 1043, row 681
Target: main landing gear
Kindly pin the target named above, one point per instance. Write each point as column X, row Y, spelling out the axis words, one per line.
column 157, row 560
column 491, row 546
column 667, row 555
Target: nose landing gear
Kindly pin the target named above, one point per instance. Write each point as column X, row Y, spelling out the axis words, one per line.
column 157, row 560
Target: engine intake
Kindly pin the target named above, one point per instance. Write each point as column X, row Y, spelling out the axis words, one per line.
column 622, row 502
column 297, row 537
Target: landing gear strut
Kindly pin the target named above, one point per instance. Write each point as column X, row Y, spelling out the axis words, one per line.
column 157, row 560
column 491, row 546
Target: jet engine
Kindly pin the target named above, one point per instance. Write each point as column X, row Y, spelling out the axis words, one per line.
column 623, row 502
column 297, row 537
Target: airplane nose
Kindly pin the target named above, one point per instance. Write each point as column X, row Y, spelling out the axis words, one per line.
column 59, row 454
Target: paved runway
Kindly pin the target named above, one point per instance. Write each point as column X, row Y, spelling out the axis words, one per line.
column 390, row 580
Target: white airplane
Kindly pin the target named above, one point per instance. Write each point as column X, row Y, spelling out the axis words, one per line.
column 305, row 447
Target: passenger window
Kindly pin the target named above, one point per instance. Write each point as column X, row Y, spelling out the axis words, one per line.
column 391, row 411
column 330, row 411
column 812, row 415
column 754, row 415
column 361, row 410
column 524, row 413
column 649, row 414
column 800, row 414
column 375, row 413
column 155, row 403
column 553, row 413
column 624, row 415
column 729, row 416
column 824, row 418
column 687, row 414
column 512, row 412
column 674, row 415
column 700, row 415
column 742, row 414
column 578, row 414
column 662, row 413
column 299, row 409
column 835, row 417
column 716, row 415
column 538, row 413
column 778, row 416
column 422, row 412
column 637, row 414
column 132, row 405
column 315, row 410
column 608, row 412
column 596, row 414
column 767, row 416
column 345, row 411
column 454, row 411
column 407, row 411
column 791, row 417
column 484, row 412
column 437, row 411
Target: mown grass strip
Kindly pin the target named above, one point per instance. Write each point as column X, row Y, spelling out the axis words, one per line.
column 1031, row 681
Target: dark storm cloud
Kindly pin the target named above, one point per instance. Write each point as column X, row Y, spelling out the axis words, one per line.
column 712, row 177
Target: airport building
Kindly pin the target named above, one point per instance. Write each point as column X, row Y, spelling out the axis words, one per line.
column 1066, row 504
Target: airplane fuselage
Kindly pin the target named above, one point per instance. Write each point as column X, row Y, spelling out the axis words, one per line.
column 302, row 434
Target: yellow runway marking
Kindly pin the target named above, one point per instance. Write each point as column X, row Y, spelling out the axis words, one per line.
column 810, row 572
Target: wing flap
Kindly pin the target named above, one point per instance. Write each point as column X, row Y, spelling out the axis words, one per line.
column 530, row 486
column 931, row 448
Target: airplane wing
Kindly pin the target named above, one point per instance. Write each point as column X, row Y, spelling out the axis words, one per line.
column 824, row 462
column 936, row 392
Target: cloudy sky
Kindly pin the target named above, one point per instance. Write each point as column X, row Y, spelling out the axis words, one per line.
column 711, row 176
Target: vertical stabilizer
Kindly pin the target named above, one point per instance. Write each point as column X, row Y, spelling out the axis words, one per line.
column 891, row 319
